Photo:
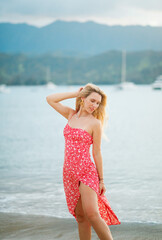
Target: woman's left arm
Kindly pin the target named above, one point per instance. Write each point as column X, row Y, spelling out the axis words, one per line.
column 96, row 152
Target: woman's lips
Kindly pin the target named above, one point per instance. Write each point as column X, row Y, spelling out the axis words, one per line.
column 91, row 109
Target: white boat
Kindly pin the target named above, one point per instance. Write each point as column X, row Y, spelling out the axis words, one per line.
column 157, row 85
column 50, row 85
column 4, row 89
column 124, row 84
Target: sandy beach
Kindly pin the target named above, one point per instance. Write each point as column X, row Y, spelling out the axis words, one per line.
column 32, row 227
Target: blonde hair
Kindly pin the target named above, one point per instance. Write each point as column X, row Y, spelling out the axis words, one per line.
column 100, row 112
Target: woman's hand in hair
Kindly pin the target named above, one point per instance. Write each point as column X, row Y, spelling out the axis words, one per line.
column 79, row 90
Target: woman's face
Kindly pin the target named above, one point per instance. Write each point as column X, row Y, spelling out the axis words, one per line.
column 92, row 102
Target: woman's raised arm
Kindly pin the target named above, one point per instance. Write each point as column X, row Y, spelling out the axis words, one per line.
column 54, row 101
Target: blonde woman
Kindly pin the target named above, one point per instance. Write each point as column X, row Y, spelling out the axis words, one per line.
column 83, row 180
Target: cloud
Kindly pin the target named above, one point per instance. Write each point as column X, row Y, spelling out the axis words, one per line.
column 40, row 12
column 56, row 8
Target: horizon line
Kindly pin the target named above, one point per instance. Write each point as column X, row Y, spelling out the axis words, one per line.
column 77, row 21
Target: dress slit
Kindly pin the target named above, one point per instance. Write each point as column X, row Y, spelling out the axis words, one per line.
column 79, row 196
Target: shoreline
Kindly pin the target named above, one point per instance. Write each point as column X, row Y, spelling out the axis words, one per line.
column 32, row 227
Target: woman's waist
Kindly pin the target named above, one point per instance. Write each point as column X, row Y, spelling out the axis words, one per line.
column 77, row 150
column 78, row 160
column 77, row 145
column 75, row 156
column 77, row 163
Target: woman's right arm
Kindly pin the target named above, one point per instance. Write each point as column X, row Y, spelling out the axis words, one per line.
column 54, row 101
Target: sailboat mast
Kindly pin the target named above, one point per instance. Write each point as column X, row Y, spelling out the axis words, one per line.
column 48, row 74
column 123, row 73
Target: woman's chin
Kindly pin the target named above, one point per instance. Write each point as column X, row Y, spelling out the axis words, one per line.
column 91, row 111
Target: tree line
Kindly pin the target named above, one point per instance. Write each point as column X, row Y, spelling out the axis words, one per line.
column 142, row 67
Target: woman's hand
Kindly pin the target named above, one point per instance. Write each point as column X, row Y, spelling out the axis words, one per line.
column 78, row 91
column 102, row 188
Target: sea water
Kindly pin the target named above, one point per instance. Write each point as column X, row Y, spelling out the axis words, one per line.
column 32, row 152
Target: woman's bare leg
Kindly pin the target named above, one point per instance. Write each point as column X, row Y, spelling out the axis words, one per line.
column 84, row 227
column 90, row 207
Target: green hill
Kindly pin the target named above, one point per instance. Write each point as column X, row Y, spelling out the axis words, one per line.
column 18, row 69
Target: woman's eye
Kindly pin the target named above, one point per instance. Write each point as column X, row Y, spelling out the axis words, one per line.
column 94, row 101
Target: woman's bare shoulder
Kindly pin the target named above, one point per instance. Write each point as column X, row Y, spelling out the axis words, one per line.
column 96, row 129
column 95, row 123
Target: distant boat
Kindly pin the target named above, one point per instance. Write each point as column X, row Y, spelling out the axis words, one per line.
column 124, row 84
column 50, row 85
column 157, row 85
column 4, row 89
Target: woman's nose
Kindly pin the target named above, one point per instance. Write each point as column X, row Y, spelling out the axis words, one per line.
column 95, row 105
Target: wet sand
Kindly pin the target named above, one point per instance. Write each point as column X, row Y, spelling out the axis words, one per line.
column 33, row 227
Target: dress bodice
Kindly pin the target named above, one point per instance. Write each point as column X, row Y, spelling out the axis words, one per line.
column 77, row 135
column 77, row 142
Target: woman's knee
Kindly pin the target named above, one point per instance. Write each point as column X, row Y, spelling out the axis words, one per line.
column 81, row 218
column 79, row 212
column 92, row 215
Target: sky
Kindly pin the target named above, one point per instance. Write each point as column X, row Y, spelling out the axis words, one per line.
column 111, row 12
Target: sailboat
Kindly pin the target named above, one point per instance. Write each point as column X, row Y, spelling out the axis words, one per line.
column 124, row 84
column 4, row 88
column 50, row 84
column 157, row 85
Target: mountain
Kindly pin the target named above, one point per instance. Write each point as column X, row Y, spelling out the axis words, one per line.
column 77, row 39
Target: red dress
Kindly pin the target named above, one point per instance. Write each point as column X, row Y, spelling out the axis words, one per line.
column 78, row 166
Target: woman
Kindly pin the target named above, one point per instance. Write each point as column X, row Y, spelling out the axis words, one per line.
column 83, row 180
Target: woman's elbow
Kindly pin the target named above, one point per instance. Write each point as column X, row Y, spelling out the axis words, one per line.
column 96, row 152
column 48, row 99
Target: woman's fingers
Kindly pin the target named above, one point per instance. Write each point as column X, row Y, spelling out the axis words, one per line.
column 102, row 189
column 80, row 89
